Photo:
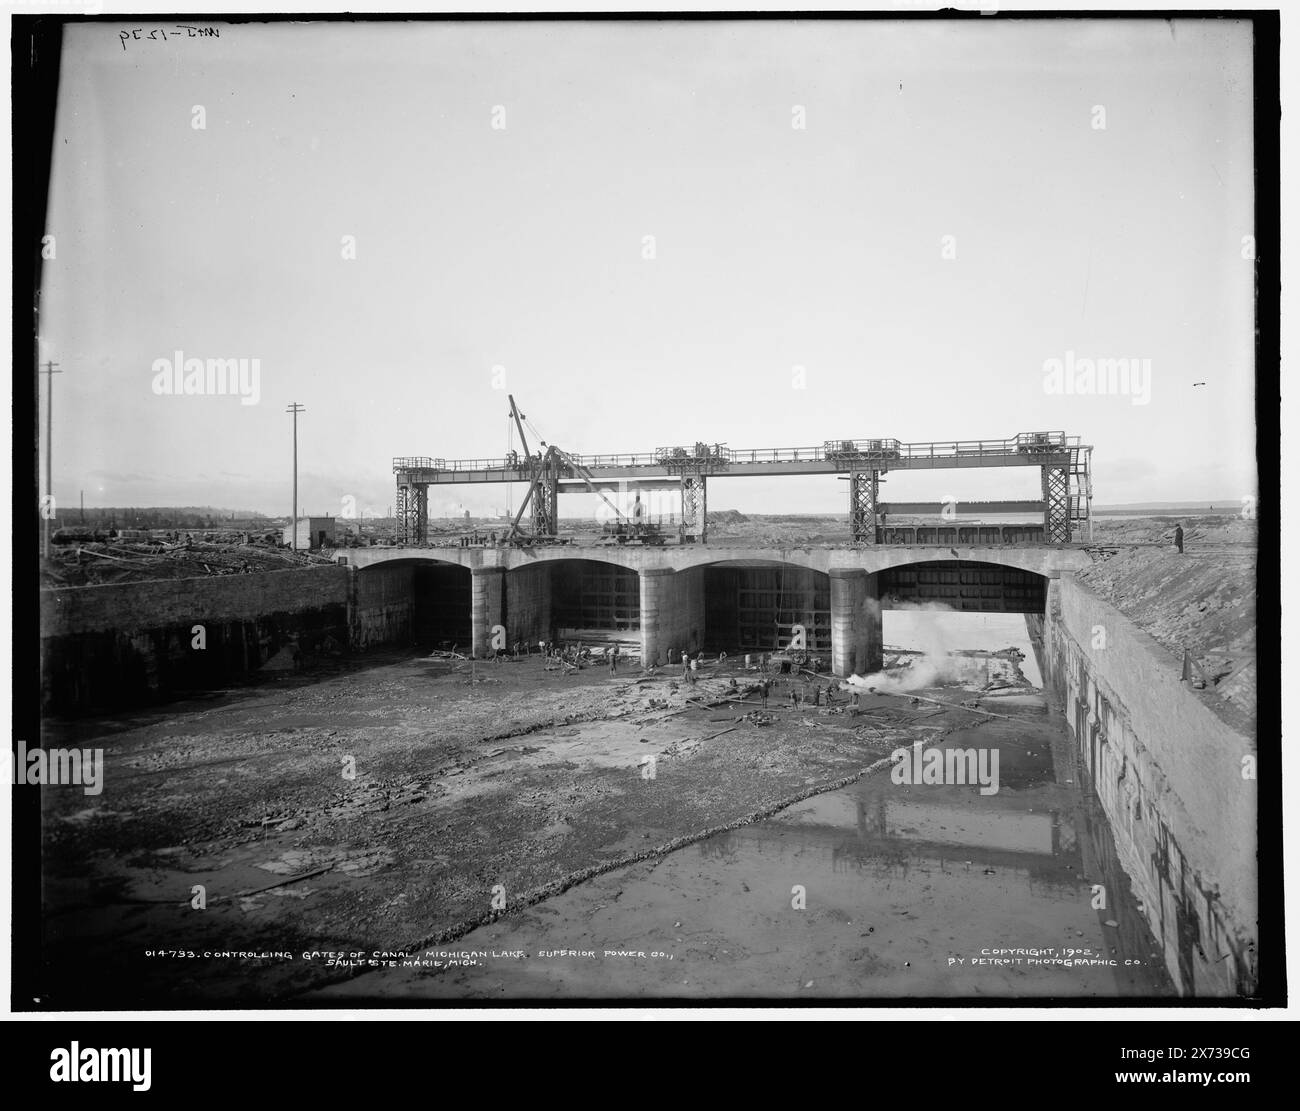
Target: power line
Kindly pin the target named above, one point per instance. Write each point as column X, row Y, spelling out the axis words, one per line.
column 295, row 409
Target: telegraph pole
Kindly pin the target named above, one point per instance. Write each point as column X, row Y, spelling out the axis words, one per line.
column 49, row 371
column 295, row 409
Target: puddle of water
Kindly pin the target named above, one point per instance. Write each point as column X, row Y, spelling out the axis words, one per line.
column 878, row 890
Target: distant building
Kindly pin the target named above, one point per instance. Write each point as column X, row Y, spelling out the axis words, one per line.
column 313, row 533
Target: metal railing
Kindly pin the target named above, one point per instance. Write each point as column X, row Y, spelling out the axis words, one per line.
column 834, row 451
column 639, row 459
column 419, row 463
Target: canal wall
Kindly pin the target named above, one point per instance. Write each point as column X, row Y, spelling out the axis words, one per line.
column 381, row 605
column 1175, row 778
column 126, row 644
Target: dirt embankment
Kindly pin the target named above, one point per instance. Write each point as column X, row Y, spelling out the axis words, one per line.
column 1202, row 601
column 1204, row 531
column 93, row 564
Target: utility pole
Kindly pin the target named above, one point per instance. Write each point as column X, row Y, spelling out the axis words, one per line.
column 295, row 409
column 49, row 371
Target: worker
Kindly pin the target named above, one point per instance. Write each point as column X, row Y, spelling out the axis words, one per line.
column 817, row 696
column 638, row 513
column 763, row 688
column 613, row 661
column 1178, row 537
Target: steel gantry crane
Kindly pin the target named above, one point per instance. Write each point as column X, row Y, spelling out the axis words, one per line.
column 1064, row 462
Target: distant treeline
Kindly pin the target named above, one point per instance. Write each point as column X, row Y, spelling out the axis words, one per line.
column 183, row 517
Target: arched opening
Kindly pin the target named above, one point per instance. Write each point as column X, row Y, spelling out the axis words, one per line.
column 574, row 599
column 971, row 623
column 965, row 585
column 442, row 613
column 412, row 601
column 759, row 605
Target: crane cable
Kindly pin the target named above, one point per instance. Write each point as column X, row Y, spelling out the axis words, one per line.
column 575, row 462
column 510, row 486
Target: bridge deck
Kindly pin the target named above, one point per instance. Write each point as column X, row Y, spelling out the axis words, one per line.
column 837, row 457
column 1048, row 560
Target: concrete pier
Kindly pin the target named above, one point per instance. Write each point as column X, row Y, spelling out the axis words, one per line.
column 857, row 636
column 487, row 601
column 672, row 612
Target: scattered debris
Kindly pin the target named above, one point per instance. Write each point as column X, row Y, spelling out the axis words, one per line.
column 286, row 881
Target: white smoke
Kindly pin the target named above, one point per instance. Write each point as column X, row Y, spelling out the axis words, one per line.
column 935, row 667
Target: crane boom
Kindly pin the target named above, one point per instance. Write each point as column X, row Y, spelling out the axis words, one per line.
column 539, row 470
column 519, row 424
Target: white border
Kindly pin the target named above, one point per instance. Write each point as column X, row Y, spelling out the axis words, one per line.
column 1287, row 536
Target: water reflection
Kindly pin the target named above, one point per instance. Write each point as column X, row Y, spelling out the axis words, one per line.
column 1042, row 839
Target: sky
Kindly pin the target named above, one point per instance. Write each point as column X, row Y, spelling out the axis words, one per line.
column 764, row 234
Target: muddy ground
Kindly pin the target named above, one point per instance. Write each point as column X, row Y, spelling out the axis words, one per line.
column 876, row 890
column 465, row 777
column 399, row 804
